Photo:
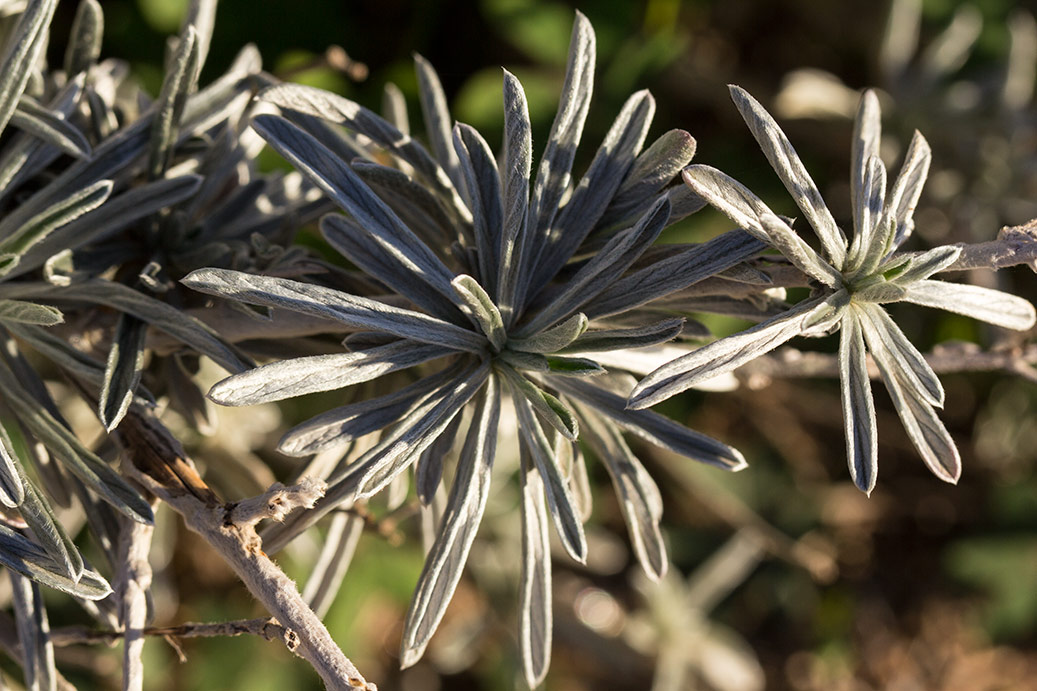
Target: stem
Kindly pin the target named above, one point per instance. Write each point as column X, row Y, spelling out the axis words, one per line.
column 160, row 464
column 266, row 628
column 790, row 363
column 134, row 580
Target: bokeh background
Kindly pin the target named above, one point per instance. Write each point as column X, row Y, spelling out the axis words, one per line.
column 784, row 575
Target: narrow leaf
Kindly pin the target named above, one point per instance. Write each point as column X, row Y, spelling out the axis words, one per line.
column 20, row 555
column 573, row 366
column 622, row 339
column 652, row 171
column 926, row 264
column 50, row 535
column 437, row 119
column 911, row 367
column 323, row 302
column 417, row 207
column 560, row 502
column 16, row 241
column 29, row 313
column 601, row 270
column 873, row 240
column 923, row 427
column 49, row 127
column 554, row 172
column 180, row 80
column 398, row 243
column 123, row 370
column 299, row 376
column 596, row 189
column 676, row 272
column 858, row 406
column 201, row 15
column 639, row 496
column 723, row 355
column 84, row 40
column 908, row 188
column 481, row 310
column 483, row 188
column 797, row 251
column 992, row 306
column 351, row 240
column 325, row 580
column 867, row 136
column 12, row 491
column 394, row 453
column 464, row 510
column 79, row 460
column 786, row 164
column 159, row 314
column 556, row 413
column 880, row 292
column 429, row 470
column 518, row 148
column 651, row 426
column 332, row 107
column 535, row 589
column 394, row 108
column 116, row 213
column 730, row 197
column 553, row 339
column 346, row 423
column 33, row 634
column 24, row 45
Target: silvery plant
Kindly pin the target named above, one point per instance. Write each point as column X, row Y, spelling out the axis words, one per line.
column 852, row 280
column 487, row 300
column 499, row 284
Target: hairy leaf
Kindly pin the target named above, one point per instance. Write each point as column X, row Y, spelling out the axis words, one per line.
column 464, row 511
column 123, row 370
column 858, row 406
column 84, row 40
column 724, row 355
column 563, row 509
column 535, row 587
column 786, row 164
column 332, row 304
column 299, row 376
column 992, row 306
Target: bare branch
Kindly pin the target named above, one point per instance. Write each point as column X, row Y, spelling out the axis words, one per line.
column 790, row 363
column 132, row 584
column 268, row 629
column 1014, row 245
column 161, row 465
column 277, row 502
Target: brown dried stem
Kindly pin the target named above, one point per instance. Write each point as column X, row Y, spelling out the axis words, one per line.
column 268, row 629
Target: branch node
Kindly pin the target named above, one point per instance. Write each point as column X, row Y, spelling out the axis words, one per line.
column 276, row 503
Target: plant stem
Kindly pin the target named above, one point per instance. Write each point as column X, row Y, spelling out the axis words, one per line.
column 160, row 464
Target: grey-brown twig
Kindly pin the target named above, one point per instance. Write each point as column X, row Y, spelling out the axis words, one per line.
column 1014, row 245
column 161, row 465
column 132, row 584
column 790, row 363
column 267, row 628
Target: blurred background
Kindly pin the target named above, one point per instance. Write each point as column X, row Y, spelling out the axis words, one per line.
column 784, row 576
